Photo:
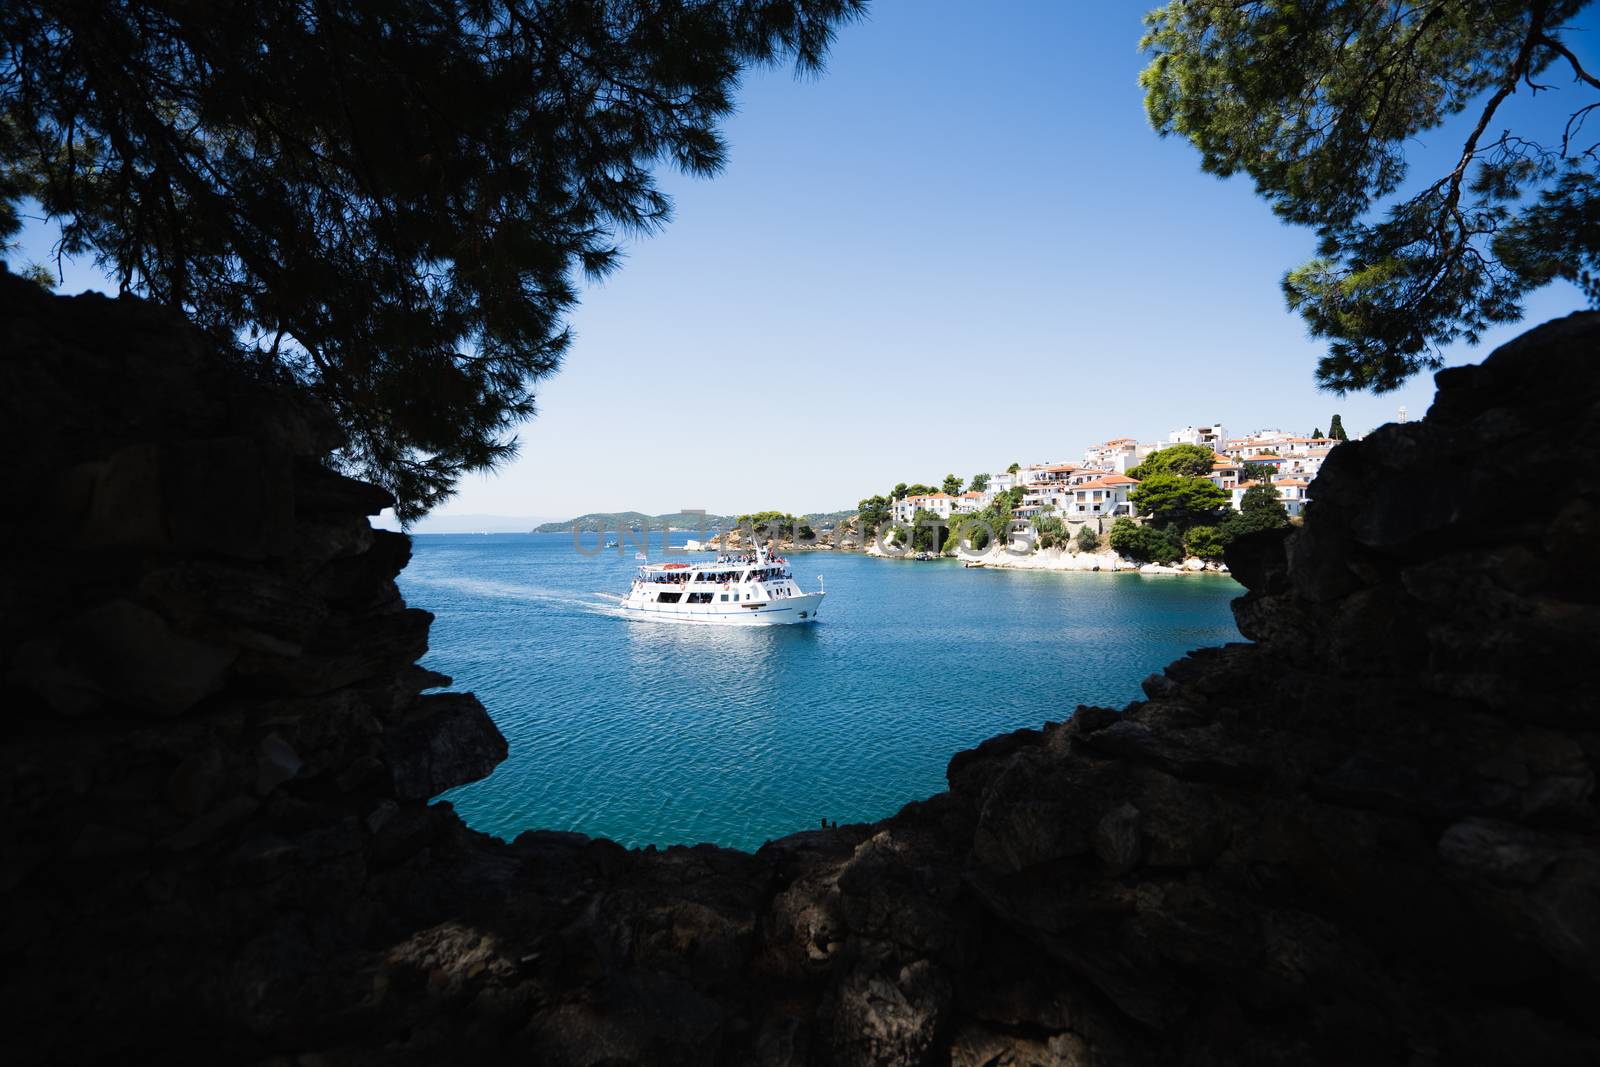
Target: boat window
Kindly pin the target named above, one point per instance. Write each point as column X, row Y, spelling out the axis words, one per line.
column 668, row 598
column 724, row 596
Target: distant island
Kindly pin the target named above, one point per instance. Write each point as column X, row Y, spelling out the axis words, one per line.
column 459, row 524
column 601, row 521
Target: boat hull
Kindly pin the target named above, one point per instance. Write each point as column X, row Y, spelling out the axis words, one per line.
column 786, row 611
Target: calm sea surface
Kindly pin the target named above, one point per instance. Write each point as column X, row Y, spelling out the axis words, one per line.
column 651, row 733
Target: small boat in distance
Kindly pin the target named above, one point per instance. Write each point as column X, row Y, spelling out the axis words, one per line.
column 753, row 589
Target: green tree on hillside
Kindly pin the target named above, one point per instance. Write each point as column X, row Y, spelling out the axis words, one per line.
column 952, row 484
column 393, row 205
column 980, row 529
column 1260, row 509
column 1178, row 499
column 998, row 514
column 1206, row 542
column 1052, row 531
column 1263, row 500
column 970, row 529
column 1257, row 472
column 777, row 525
column 1088, row 540
column 1144, row 544
column 903, row 490
column 1318, row 102
column 874, row 511
column 1193, row 460
column 925, row 528
column 980, row 482
column 1014, row 468
column 1317, row 432
column 1336, row 429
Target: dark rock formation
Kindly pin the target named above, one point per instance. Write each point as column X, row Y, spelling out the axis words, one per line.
column 1368, row 837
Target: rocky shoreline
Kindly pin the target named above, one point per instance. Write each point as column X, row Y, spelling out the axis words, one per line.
column 1067, row 561
column 1105, row 562
column 1367, row 836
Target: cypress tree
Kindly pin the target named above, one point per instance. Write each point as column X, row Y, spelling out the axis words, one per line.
column 1336, row 429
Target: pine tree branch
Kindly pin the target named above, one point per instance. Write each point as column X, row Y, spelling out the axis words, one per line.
column 1566, row 53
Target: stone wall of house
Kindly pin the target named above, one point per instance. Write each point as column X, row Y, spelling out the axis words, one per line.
column 1369, row 836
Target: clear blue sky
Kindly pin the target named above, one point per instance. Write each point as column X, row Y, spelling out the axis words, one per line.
column 961, row 246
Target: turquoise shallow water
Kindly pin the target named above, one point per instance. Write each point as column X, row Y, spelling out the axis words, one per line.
column 650, row 733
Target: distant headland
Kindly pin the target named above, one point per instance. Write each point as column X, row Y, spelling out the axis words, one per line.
column 601, row 521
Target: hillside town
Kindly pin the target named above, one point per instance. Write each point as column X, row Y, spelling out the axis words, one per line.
column 1099, row 487
column 1155, row 506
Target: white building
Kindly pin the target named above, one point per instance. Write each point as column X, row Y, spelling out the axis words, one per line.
column 1250, row 445
column 1291, row 491
column 1044, row 496
column 1107, row 456
column 1033, row 472
column 1269, row 435
column 1058, row 474
column 938, row 504
column 1257, row 449
column 1306, row 464
column 1226, row 473
column 1212, row 436
column 971, row 501
column 1106, row 495
column 1002, row 482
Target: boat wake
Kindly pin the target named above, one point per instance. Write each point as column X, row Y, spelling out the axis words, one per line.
column 498, row 590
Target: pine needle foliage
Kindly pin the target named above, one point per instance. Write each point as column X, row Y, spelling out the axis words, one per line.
column 392, row 203
column 1316, row 102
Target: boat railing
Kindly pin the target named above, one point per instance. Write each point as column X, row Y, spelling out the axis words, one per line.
column 690, row 573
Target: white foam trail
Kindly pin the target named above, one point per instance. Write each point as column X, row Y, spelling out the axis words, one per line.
column 485, row 587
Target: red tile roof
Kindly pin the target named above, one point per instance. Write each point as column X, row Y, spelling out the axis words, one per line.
column 1110, row 481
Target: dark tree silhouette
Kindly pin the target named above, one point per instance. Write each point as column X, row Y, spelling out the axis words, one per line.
column 1317, row 102
column 391, row 203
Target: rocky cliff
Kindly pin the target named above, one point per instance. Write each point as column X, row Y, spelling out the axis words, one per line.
column 1369, row 836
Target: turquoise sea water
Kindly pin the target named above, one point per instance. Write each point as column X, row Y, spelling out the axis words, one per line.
column 652, row 733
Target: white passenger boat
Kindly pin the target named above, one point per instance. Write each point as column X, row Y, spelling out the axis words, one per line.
column 755, row 589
